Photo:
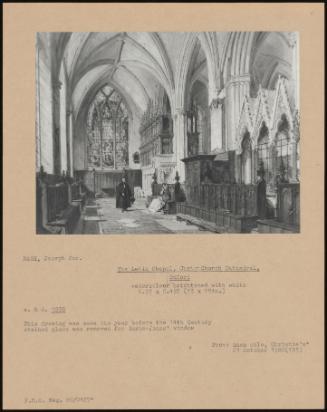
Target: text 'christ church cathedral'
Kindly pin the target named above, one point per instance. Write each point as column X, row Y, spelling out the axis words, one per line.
column 191, row 132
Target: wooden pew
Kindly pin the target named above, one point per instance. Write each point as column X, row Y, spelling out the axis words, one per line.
column 221, row 207
column 78, row 195
column 59, row 204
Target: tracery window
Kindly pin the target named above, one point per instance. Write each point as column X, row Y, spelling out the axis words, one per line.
column 107, row 130
column 283, row 149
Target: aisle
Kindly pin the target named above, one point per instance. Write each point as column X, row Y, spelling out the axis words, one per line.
column 137, row 220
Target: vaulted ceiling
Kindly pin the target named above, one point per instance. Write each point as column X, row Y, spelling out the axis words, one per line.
column 138, row 64
column 271, row 57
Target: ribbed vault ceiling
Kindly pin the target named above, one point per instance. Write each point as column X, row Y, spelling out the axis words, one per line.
column 138, row 64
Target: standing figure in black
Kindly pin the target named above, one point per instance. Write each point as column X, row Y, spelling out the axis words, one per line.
column 178, row 191
column 123, row 195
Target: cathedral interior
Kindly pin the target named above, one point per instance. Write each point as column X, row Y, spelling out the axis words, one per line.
column 212, row 116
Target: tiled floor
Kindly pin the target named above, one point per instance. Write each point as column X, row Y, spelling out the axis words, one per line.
column 102, row 217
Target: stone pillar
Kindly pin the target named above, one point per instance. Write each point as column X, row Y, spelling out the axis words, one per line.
column 216, row 122
column 294, row 42
column 228, row 117
column 38, row 110
column 201, row 131
column 69, row 142
column 255, row 165
column 56, row 86
column 180, row 141
column 236, row 90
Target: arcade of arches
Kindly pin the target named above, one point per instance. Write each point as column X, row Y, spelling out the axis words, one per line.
column 214, row 113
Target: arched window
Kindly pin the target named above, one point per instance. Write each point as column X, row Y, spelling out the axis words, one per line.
column 263, row 149
column 246, row 159
column 107, row 129
column 283, row 149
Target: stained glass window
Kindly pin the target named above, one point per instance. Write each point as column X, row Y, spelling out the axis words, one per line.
column 107, row 129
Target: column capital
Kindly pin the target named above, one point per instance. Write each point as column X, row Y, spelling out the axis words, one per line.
column 243, row 78
column 215, row 103
column 180, row 112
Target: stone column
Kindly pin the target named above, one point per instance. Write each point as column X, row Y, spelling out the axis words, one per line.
column 56, row 86
column 69, row 142
column 216, row 122
column 236, row 89
column 295, row 67
column 180, row 141
column 255, row 165
column 38, row 110
column 201, row 131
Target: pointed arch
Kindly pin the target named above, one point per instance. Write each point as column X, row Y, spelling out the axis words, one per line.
column 163, row 53
column 183, row 67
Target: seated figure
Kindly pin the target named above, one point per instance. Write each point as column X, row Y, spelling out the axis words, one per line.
column 160, row 202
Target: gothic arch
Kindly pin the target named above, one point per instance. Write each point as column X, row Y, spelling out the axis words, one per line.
column 236, row 55
column 163, row 53
column 245, row 123
column 273, row 50
column 262, row 114
column 246, row 157
column 282, row 106
column 244, row 132
column 183, row 68
column 90, row 95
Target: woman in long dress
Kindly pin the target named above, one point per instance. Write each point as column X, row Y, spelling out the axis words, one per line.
column 156, row 205
column 159, row 203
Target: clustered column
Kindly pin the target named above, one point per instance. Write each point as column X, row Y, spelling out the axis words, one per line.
column 236, row 90
column 69, row 142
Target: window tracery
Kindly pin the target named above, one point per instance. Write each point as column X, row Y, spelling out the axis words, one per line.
column 107, row 130
column 283, row 149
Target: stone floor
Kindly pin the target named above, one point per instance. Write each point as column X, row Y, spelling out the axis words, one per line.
column 100, row 216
